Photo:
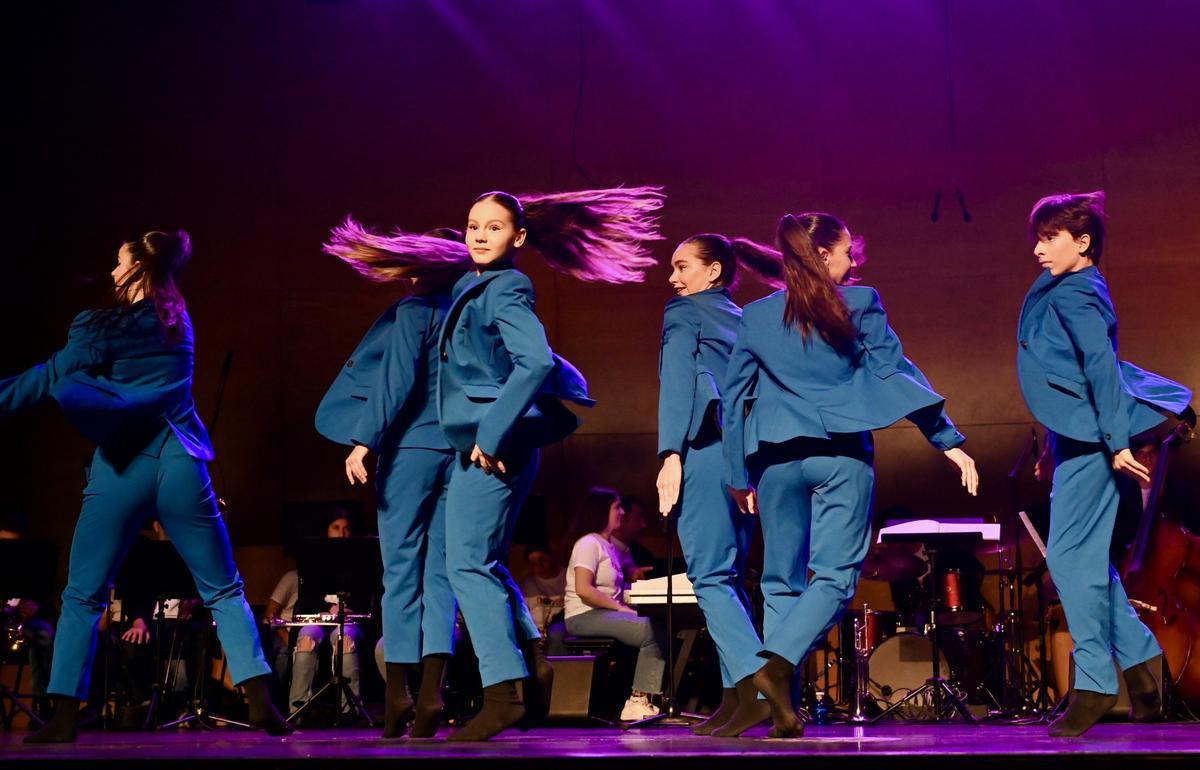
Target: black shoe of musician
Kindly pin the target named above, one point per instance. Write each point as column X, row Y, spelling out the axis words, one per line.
column 502, row 708
column 1085, row 711
column 750, row 711
column 729, row 704
column 263, row 713
column 429, row 700
column 63, row 727
column 537, row 687
column 1144, row 697
column 398, row 701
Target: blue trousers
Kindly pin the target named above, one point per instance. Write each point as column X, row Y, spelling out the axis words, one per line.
column 481, row 514
column 814, row 498
column 716, row 537
column 418, row 605
column 1083, row 511
column 116, row 503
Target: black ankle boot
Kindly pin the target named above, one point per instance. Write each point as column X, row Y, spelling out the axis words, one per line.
column 1144, row 698
column 502, row 708
column 1085, row 710
column 750, row 711
column 538, row 686
column 729, row 704
column 63, row 727
column 429, row 707
column 263, row 713
column 398, row 702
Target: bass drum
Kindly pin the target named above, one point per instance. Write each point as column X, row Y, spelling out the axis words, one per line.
column 900, row 665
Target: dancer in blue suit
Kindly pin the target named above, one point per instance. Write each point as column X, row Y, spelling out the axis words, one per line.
column 124, row 380
column 698, row 333
column 1092, row 403
column 500, row 394
column 815, row 369
column 385, row 400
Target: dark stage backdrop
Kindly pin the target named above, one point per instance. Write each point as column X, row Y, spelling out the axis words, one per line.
column 259, row 125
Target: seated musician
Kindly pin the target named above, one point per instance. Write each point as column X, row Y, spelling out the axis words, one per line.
column 636, row 559
column 29, row 622
column 282, row 607
column 594, row 593
column 544, row 589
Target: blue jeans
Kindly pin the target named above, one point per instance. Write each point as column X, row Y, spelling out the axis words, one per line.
column 632, row 630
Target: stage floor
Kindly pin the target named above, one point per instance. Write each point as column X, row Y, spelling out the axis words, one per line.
column 1108, row 745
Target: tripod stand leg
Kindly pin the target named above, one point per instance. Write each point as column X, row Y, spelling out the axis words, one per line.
column 957, row 702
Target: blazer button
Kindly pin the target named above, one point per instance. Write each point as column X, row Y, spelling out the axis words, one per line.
column 1025, row 344
column 1108, row 437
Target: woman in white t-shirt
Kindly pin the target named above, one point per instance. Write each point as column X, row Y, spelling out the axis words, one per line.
column 594, row 603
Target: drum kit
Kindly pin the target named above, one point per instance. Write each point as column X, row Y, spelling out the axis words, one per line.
column 886, row 655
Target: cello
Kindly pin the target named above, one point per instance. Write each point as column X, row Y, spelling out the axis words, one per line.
column 1161, row 574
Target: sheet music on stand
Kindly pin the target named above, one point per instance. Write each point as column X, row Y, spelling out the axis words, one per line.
column 917, row 527
column 654, row 591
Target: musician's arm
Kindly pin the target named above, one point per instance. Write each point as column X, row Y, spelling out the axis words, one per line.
column 585, row 588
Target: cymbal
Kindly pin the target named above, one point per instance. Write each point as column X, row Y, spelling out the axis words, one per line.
column 892, row 565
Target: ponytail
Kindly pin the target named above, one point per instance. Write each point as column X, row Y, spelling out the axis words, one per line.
column 159, row 258
column 813, row 299
column 734, row 254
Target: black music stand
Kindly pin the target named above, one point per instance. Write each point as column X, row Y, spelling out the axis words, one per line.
column 669, row 715
column 344, row 567
column 157, row 563
column 27, row 570
column 942, row 692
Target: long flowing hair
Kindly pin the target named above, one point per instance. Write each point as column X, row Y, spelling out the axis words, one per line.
column 813, row 300
column 397, row 255
column 593, row 235
column 737, row 254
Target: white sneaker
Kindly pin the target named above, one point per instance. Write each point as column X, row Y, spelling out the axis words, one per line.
column 638, row 707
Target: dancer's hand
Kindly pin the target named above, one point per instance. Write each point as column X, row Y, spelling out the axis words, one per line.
column 488, row 463
column 966, row 467
column 1124, row 462
column 746, row 499
column 670, row 477
column 355, row 470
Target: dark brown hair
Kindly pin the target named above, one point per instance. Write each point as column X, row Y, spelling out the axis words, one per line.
column 591, row 515
column 763, row 262
column 158, row 259
column 813, row 299
column 1079, row 214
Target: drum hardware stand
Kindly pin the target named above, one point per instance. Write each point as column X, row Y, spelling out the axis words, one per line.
column 669, row 714
column 943, row 693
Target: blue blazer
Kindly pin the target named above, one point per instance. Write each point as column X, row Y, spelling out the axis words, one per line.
column 780, row 387
column 698, row 334
column 118, row 381
column 386, row 394
column 499, row 384
column 1068, row 369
